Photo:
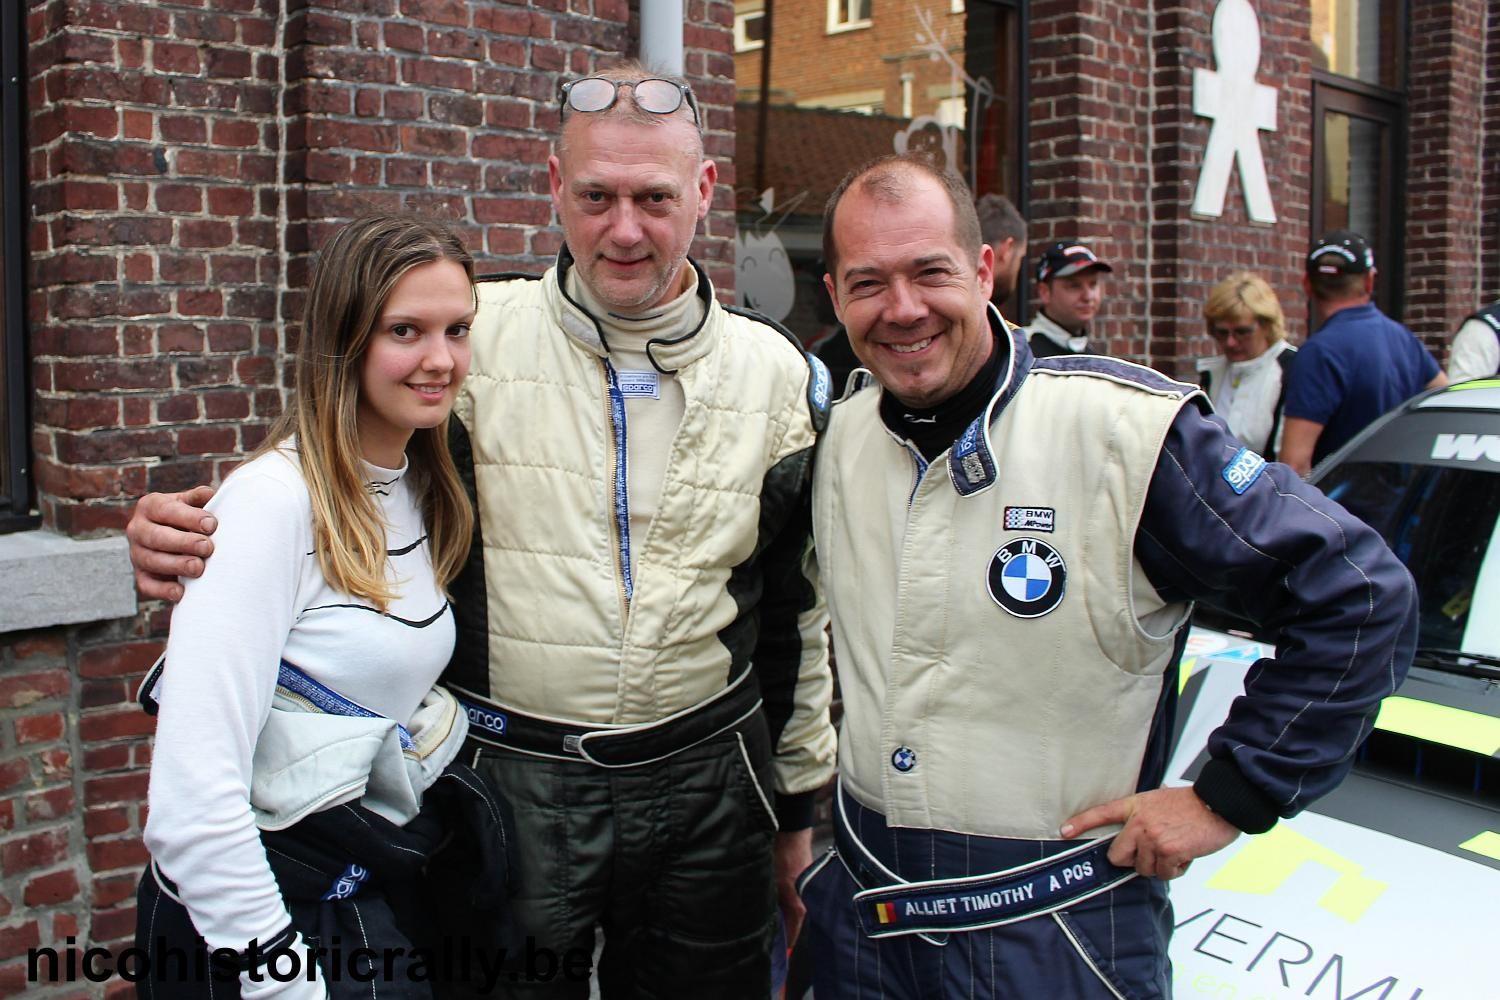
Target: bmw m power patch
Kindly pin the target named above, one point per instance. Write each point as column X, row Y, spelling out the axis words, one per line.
column 1027, row 577
column 1030, row 519
column 1243, row 470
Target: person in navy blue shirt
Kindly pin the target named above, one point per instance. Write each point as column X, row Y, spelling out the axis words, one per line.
column 1357, row 365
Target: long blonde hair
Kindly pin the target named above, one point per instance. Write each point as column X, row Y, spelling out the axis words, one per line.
column 351, row 282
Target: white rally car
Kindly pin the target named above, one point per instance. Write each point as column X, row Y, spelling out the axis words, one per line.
column 1389, row 887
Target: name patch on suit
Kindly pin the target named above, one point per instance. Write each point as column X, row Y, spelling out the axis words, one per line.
column 1030, row 519
column 639, row 384
column 1027, row 577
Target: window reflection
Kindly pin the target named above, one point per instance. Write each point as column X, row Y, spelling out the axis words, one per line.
column 1352, row 164
column 922, row 75
column 1442, row 523
column 1358, row 38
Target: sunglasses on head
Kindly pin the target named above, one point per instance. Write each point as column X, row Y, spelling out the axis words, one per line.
column 595, row 93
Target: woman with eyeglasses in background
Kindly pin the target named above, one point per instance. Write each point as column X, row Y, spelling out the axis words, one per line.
column 1247, row 380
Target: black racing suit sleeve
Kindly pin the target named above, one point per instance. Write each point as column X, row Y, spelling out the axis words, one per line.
column 791, row 649
column 1342, row 608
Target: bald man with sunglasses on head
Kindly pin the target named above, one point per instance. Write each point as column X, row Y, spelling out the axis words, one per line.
column 641, row 636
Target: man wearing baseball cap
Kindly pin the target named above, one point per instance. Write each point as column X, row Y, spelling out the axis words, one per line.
column 1358, row 364
column 1067, row 281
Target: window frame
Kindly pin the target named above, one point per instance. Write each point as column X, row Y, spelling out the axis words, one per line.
column 1393, row 40
column 742, row 42
column 15, row 489
column 839, row 21
column 1355, row 99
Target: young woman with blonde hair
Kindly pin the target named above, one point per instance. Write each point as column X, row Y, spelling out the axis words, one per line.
column 299, row 723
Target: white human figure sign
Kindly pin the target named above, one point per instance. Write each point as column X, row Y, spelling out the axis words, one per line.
column 1240, row 109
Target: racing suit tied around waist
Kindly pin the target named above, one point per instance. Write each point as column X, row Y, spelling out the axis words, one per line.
column 494, row 725
column 890, row 906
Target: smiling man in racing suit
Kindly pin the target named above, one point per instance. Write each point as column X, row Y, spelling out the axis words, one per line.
column 1010, row 546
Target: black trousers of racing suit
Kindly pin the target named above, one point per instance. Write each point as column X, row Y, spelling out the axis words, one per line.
column 437, row 885
column 671, row 859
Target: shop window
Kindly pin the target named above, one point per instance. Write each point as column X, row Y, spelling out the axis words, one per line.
column 845, row 15
column 15, row 479
column 1359, row 125
column 949, row 84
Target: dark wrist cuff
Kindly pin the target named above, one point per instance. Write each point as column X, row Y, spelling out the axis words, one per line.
column 1229, row 793
column 795, row 812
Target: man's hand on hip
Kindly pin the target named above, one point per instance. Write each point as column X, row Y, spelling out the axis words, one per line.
column 168, row 535
column 1165, row 829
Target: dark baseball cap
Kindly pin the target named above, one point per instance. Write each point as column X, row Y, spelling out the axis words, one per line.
column 1341, row 252
column 1062, row 259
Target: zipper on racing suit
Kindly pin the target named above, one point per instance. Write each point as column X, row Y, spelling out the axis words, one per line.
column 619, row 487
column 921, row 464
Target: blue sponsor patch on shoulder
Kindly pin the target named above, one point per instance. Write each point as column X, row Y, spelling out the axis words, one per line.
column 1243, row 470
column 820, row 384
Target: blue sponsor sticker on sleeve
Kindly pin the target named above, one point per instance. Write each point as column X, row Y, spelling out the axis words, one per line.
column 1243, row 470
column 820, row 385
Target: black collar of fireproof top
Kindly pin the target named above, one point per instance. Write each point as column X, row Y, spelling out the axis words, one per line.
column 934, row 430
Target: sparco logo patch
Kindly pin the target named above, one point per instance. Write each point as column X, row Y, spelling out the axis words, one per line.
column 347, row 884
column 1030, row 519
column 1027, row 577
column 494, row 722
column 1243, row 470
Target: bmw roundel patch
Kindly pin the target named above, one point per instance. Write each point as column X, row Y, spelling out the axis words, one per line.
column 1027, row 577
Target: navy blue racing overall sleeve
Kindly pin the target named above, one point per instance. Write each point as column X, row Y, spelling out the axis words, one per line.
column 1223, row 527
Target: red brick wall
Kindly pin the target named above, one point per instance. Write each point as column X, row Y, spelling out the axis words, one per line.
column 153, row 294
column 1191, row 254
column 1446, row 114
column 185, row 159
column 1090, row 144
column 1115, row 157
column 154, row 249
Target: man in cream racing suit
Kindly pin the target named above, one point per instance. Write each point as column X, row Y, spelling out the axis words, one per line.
column 1009, row 547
